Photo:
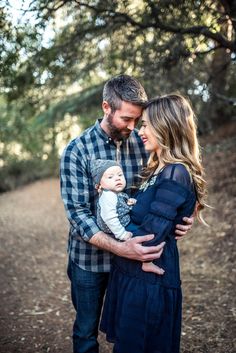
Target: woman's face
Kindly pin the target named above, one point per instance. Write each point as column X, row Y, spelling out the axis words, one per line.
column 148, row 138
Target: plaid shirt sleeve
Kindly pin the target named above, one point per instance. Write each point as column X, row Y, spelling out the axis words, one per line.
column 75, row 192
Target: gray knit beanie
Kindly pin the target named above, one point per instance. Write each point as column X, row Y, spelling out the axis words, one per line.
column 99, row 166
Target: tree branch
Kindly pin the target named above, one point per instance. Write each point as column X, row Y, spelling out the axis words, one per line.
column 199, row 53
column 199, row 30
column 230, row 10
column 194, row 30
column 112, row 13
column 230, row 100
column 123, row 18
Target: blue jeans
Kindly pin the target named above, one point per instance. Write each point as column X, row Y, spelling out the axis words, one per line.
column 87, row 292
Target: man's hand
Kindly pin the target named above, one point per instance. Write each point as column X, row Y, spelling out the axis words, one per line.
column 133, row 249
column 182, row 229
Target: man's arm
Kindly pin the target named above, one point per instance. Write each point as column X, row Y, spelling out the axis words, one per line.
column 75, row 195
column 76, row 191
column 131, row 249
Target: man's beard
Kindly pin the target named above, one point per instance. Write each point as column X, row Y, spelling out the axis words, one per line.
column 115, row 133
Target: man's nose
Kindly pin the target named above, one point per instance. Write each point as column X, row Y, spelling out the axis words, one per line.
column 131, row 125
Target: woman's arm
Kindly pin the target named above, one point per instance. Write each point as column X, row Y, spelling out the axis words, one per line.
column 161, row 218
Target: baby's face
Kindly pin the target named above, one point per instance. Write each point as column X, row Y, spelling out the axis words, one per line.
column 113, row 179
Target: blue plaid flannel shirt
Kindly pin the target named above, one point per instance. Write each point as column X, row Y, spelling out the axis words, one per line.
column 79, row 194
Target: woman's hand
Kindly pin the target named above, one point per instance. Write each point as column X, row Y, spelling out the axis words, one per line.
column 182, row 229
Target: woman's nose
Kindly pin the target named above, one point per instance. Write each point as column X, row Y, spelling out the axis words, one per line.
column 140, row 133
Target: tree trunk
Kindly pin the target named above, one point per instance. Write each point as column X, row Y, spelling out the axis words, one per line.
column 218, row 79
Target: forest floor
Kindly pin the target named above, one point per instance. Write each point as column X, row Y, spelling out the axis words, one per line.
column 36, row 314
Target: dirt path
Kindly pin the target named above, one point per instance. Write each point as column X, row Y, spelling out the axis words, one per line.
column 36, row 312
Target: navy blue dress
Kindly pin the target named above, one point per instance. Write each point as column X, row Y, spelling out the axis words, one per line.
column 142, row 310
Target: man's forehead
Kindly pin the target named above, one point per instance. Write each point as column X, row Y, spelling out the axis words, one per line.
column 131, row 117
column 130, row 111
column 128, row 106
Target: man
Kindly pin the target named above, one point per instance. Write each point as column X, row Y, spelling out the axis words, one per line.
column 114, row 137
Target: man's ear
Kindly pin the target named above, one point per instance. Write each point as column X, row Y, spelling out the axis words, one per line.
column 106, row 108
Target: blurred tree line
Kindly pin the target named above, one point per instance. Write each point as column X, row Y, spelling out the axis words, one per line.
column 56, row 57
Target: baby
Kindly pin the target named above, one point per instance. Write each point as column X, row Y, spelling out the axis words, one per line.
column 113, row 206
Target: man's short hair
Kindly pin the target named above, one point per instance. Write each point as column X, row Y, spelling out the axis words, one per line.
column 124, row 88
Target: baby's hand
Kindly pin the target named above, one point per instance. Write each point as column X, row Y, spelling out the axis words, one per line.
column 127, row 235
column 131, row 202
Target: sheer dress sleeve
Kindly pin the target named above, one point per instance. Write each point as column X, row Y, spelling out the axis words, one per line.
column 171, row 196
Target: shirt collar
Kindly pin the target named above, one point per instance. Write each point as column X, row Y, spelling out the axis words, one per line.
column 101, row 132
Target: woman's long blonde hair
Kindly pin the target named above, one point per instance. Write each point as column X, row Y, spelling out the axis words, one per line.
column 172, row 120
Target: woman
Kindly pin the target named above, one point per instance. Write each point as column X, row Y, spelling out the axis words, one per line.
column 142, row 310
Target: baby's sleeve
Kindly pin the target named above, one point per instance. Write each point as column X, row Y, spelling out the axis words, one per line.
column 108, row 205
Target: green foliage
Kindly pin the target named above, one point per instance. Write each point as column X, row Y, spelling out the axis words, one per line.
column 85, row 103
column 54, row 65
